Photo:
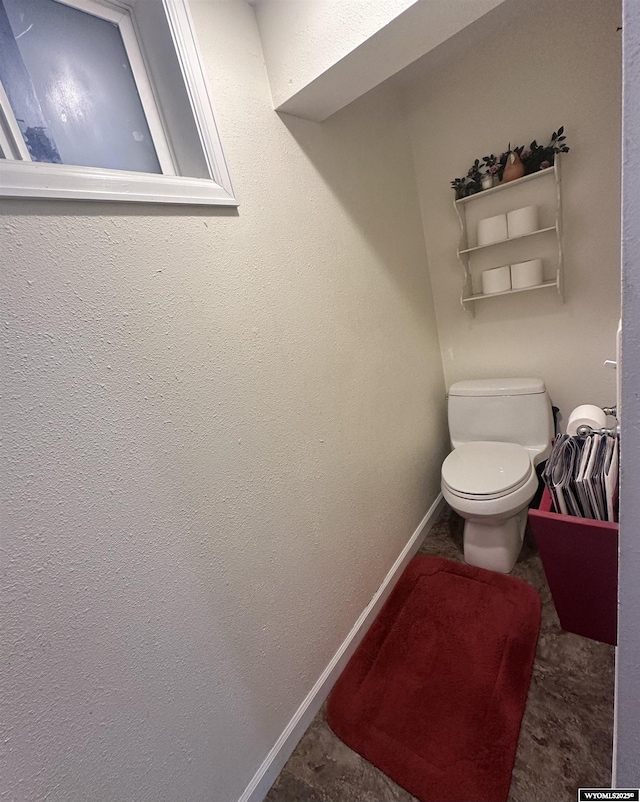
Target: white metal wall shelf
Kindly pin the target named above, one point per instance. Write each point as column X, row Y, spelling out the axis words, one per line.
column 541, row 188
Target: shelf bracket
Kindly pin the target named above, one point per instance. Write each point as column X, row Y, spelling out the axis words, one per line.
column 462, row 244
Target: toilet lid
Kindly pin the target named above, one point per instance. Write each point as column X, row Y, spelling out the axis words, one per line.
column 486, row 470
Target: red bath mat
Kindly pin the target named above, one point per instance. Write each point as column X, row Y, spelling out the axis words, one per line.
column 434, row 694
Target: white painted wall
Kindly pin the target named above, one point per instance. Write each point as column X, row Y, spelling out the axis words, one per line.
column 627, row 735
column 323, row 54
column 560, row 66
column 301, row 39
column 220, row 429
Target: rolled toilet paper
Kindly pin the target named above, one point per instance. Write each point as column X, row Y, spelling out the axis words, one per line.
column 526, row 274
column 522, row 221
column 586, row 415
column 498, row 279
column 492, row 229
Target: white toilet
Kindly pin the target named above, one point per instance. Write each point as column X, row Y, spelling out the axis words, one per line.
column 500, row 430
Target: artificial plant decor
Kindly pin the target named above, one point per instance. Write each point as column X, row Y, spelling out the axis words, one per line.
column 534, row 158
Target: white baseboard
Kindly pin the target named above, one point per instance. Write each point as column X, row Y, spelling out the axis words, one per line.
column 273, row 763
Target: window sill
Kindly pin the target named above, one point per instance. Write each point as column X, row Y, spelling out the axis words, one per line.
column 65, row 182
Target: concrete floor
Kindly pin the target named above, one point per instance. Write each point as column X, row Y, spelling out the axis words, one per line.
column 566, row 736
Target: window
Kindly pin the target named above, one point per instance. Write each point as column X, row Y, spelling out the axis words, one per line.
column 106, row 101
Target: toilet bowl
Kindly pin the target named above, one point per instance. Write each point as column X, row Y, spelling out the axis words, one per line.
column 490, row 485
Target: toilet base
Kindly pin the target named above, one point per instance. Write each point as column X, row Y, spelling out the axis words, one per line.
column 492, row 544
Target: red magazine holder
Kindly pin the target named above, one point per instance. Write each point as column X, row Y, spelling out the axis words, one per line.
column 580, row 559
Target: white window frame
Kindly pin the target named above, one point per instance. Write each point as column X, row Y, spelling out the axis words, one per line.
column 22, row 178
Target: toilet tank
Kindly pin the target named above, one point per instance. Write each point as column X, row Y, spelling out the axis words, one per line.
column 503, row 410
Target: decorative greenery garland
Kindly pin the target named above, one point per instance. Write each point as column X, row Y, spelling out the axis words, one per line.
column 535, row 157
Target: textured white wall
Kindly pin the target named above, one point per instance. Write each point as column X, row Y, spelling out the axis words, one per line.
column 323, row 54
column 557, row 65
column 220, row 430
column 303, row 39
column 627, row 737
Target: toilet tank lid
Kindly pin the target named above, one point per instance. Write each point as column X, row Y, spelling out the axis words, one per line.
column 480, row 387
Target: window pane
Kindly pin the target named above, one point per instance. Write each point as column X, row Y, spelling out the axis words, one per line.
column 71, row 88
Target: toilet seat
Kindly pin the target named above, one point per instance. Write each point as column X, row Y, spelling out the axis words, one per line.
column 482, row 470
